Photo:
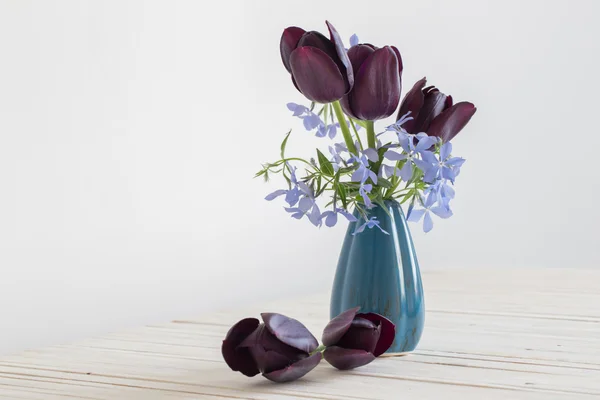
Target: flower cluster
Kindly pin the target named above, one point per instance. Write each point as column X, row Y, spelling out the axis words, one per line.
column 410, row 161
column 282, row 349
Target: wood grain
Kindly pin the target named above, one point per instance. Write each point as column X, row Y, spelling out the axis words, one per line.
column 490, row 334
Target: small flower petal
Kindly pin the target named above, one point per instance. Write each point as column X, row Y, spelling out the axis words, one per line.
column 275, row 194
column 371, row 154
column 415, row 215
column 427, row 223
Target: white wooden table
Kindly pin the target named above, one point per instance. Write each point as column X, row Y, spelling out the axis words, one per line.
column 490, row 334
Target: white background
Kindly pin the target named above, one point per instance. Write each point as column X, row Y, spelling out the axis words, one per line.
column 130, row 133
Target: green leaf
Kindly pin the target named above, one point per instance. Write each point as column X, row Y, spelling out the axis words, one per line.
column 284, row 143
column 381, row 204
column 326, row 166
column 346, row 170
column 341, row 190
column 407, row 196
column 312, row 105
column 384, row 183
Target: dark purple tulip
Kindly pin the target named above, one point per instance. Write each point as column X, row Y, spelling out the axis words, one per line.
column 354, row 340
column 432, row 112
column 279, row 348
column 319, row 66
column 377, row 83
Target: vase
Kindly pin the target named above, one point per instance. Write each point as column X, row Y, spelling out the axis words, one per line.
column 380, row 273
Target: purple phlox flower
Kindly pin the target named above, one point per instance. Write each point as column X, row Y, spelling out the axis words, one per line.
column 429, row 206
column 306, row 205
column 446, row 167
column 397, row 126
column 327, row 130
column 312, row 121
column 335, row 152
column 444, row 192
column 411, row 153
column 371, row 223
column 331, row 216
column 363, row 191
column 292, row 195
column 362, row 173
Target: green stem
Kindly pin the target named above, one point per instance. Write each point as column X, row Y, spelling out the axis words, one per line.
column 318, row 349
column 371, row 134
column 357, row 135
column 344, row 126
column 283, row 160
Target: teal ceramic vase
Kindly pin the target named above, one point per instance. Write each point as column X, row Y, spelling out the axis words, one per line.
column 380, row 273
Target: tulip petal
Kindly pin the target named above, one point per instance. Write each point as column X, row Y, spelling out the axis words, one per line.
column 376, row 90
column 317, row 75
column 296, row 370
column 319, row 41
column 342, row 55
column 413, row 101
column 388, row 331
column 399, row 57
column 290, row 331
column 358, row 54
column 345, row 103
column 240, row 359
column 269, row 360
column 362, row 335
column 449, row 123
column 343, row 359
column 434, row 104
column 264, row 339
column 337, row 327
column 288, row 43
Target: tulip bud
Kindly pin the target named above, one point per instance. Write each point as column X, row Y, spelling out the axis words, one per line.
column 377, row 82
column 279, row 348
column 319, row 66
column 432, row 112
column 354, row 340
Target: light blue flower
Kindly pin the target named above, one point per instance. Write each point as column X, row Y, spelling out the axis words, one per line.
column 444, row 192
column 331, row 216
column 362, row 173
column 327, row 130
column 415, row 215
column 371, row 223
column 292, row 195
column 306, row 205
column 312, row 121
column 397, row 126
column 446, row 167
column 411, row 154
column 353, row 40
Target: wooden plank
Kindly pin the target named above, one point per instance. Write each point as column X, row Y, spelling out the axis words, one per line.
column 528, row 334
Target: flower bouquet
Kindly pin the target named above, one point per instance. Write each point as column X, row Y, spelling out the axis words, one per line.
column 409, row 161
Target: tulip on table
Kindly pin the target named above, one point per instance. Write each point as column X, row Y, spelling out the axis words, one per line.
column 353, row 340
column 283, row 350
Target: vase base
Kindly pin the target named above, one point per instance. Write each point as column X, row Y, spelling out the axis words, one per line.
column 399, row 354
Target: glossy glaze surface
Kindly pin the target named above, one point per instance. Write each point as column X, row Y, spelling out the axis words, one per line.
column 380, row 273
